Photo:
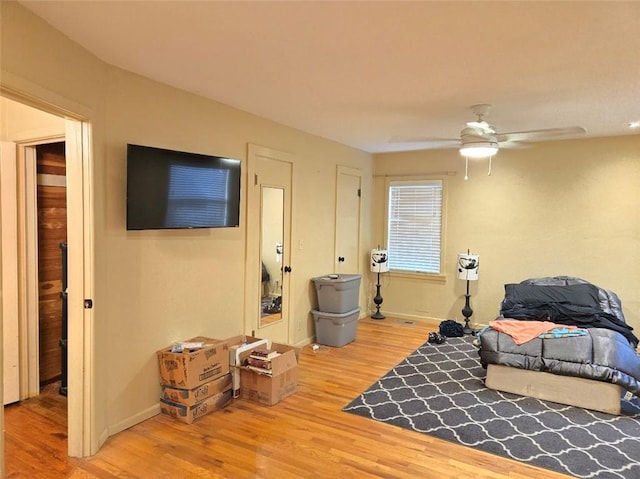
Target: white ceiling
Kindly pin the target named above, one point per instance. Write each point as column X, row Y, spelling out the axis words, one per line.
column 362, row 72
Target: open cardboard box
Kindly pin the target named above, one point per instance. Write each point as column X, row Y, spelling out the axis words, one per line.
column 240, row 347
column 272, row 388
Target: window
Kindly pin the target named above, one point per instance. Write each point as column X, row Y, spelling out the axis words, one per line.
column 414, row 229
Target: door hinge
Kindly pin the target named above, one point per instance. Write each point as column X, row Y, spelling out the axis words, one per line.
column 359, row 193
column 255, row 179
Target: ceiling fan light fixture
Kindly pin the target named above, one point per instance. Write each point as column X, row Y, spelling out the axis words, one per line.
column 479, row 149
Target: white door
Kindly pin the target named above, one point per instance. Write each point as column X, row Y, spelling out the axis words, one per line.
column 9, row 284
column 268, row 295
column 347, row 242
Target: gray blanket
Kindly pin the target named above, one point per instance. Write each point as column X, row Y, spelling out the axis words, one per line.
column 603, row 355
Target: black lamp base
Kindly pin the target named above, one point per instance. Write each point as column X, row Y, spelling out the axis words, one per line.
column 466, row 329
column 467, row 312
column 378, row 300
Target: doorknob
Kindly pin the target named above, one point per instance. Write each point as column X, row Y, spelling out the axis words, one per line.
column 287, row 269
column 340, row 259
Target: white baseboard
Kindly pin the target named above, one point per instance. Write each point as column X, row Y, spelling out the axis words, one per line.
column 424, row 319
column 101, row 440
column 304, row 342
column 135, row 419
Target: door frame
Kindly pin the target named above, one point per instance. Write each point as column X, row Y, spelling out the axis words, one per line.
column 253, row 247
column 80, row 271
column 28, row 300
column 9, row 274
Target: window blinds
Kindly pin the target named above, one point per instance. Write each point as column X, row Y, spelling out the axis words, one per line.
column 415, row 225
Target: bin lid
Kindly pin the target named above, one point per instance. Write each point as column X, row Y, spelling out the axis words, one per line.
column 336, row 278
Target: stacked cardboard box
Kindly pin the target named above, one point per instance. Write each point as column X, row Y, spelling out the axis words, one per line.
column 196, row 380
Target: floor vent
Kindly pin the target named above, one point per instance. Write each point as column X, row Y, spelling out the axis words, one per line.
column 406, row 322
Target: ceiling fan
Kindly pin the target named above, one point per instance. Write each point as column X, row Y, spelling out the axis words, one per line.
column 479, row 139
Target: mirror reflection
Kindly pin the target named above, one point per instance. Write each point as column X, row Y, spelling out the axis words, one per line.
column 272, row 250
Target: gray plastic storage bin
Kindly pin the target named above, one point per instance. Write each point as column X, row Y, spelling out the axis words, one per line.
column 338, row 293
column 335, row 329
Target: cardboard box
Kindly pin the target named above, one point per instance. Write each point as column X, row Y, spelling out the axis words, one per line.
column 194, row 367
column 189, row 397
column 271, row 389
column 240, row 348
column 188, row 414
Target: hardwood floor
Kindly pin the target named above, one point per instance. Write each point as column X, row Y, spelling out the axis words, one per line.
column 305, row 436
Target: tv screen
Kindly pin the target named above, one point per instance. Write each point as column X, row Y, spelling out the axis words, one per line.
column 169, row 189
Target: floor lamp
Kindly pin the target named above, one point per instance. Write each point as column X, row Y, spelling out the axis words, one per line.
column 379, row 265
column 468, row 266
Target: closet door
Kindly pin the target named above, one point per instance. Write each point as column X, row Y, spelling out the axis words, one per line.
column 347, row 241
column 269, row 269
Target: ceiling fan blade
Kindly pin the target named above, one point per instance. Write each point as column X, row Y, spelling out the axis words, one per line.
column 533, row 135
column 514, row 145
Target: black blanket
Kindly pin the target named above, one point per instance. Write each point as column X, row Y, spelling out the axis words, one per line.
column 575, row 304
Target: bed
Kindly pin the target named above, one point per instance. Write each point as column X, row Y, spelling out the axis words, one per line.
column 562, row 339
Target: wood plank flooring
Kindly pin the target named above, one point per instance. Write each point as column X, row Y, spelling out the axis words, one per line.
column 305, row 436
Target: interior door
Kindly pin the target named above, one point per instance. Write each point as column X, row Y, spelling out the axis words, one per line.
column 347, row 242
column 9, row 250
column 269, row 269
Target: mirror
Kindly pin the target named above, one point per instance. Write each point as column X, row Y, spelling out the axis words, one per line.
column 272, row 253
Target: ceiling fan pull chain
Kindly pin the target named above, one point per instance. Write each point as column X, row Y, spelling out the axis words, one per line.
column 466, row 167
column 490, row 158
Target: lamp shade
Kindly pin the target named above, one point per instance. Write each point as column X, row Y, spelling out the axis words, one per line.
column 468, row 266
column 379, row 261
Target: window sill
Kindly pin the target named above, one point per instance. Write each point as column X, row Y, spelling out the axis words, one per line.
column 427, row 277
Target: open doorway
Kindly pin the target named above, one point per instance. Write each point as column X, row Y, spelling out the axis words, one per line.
column 50, row 165
column 51, row 201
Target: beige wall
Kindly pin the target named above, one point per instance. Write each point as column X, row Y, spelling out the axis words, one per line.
column 19, row 122
column 152, row 288
column 557, row 208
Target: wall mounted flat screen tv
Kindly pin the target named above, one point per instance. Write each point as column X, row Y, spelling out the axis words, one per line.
column 169, row 189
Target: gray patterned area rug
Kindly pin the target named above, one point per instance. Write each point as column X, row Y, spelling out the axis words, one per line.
column 439, row 390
